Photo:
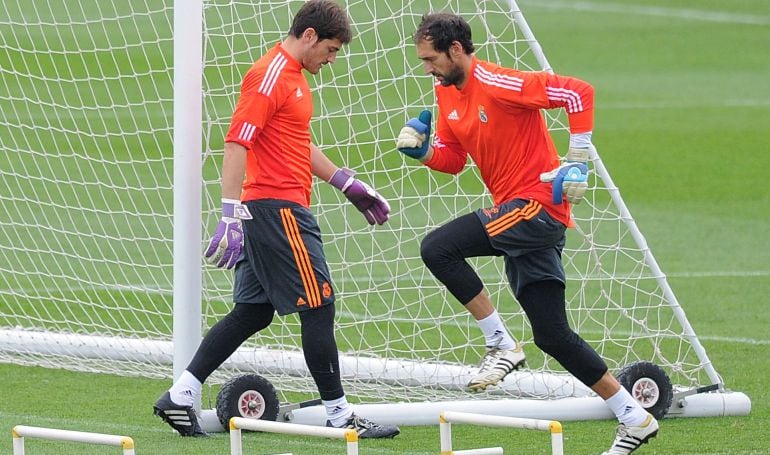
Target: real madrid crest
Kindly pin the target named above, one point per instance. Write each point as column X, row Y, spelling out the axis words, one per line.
column 482, row 114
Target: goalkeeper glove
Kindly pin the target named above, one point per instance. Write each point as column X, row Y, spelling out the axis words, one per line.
column 226, row 244
column 369, row 202
column 414, row 138
column 571, row 178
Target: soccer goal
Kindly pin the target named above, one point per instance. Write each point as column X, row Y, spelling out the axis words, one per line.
column 111, row 136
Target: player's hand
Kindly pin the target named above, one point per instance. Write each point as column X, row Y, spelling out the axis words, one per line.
column 414, row 138
column 570, row 180
column 369, row 202
column 226, row 243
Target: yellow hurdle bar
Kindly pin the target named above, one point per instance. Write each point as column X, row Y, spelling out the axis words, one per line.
column 239, row 423
column 19, row 432
column 448, row 417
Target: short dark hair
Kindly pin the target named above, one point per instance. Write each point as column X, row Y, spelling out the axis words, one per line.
column 443, row 29
column 326, row 17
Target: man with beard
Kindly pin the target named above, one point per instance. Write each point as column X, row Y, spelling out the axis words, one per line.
column 492, row 114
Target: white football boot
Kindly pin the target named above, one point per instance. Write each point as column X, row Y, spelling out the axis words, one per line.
column 630, row 438
column 495, row 365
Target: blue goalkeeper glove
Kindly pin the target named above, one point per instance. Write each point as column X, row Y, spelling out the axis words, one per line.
column 414, row 138
column 571, row 178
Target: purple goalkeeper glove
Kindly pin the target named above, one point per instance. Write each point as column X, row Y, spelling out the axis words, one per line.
column 226, row 244
column 369, row 202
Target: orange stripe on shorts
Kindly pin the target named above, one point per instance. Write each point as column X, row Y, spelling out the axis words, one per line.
column 301, row 257
column 506, row 221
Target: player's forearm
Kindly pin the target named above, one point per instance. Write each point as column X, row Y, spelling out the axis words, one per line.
column 444, row 160
column 233, row 169
column 581, row 122
column 322, row 166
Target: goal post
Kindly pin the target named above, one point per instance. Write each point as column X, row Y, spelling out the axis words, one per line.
column 188, row 175
column 111, row 134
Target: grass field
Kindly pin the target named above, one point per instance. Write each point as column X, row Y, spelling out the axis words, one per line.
column 682, row 123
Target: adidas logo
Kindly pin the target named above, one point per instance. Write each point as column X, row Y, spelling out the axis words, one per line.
column 453, row 115
column 299, row 92
column 301, row 301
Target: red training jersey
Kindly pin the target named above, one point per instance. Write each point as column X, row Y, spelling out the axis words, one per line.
column 272, row 120
column 496, row 119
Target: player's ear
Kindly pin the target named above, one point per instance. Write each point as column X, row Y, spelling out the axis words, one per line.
column 309, row 36
column 456, row 49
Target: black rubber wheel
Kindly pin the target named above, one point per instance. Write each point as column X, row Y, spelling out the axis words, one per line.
column 250, row 396
column 649, row 385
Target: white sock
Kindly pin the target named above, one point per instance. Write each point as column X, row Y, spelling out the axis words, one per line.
column 628, row 411
column 186, row 389
column 495, row 332
column 338, row 411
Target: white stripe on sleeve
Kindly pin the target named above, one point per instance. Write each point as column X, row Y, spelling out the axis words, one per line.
column 247, row 132
column 571, row 97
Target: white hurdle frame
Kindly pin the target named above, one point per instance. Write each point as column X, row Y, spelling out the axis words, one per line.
column 448, row 417
column 239, row 423
column 19, row 432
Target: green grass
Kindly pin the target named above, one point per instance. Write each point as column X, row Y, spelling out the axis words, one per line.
column 683, row 108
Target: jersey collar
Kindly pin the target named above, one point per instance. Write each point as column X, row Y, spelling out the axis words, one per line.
column 291, row 63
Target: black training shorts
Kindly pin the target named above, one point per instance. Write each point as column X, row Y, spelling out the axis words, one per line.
column 531, row 240
column 282, row 263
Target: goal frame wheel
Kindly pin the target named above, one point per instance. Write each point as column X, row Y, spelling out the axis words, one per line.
column 649, row 385
column 249, row 396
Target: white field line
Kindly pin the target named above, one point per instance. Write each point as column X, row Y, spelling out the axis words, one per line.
column 688, row 104
column 465, row 323
column 659, row 11
column 460, row 322
column 379, row 279
column 720, row 274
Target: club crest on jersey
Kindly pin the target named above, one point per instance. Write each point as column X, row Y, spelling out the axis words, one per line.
column 482, row 114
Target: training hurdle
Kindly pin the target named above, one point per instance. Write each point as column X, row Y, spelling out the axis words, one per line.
column 448, row 417
column 19, row 432
column 239, row 423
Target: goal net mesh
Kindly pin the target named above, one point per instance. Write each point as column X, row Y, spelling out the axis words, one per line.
column 86, row 192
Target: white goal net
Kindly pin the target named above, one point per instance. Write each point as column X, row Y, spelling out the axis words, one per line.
column 86, row 196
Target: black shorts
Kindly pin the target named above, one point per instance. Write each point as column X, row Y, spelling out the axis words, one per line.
column 282, row 263
column 530, row 239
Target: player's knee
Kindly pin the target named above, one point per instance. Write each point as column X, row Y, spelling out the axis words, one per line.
column 252, row 317
column 427, row 249
column 433, row 251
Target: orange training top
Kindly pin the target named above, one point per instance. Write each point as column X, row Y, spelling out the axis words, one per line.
column 272, row 120
column 496, row 119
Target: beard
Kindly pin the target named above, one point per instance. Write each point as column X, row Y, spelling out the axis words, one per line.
column 454, row 76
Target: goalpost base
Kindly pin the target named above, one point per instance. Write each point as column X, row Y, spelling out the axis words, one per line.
column 716, row 404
